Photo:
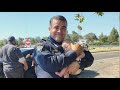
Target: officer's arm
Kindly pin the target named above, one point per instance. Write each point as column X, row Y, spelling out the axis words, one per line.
column 23, row 61
column 21, row 58
column 87, row 60
column 52, row 63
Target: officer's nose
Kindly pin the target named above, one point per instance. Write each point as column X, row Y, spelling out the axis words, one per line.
column 59, row 30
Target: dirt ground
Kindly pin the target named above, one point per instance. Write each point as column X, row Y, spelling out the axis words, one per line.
column 104, row 49
column 106, row 68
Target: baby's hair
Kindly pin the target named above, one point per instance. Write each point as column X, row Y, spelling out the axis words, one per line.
column 67, row 40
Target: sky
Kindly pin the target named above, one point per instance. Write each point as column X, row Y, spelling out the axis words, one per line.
column 33, row 24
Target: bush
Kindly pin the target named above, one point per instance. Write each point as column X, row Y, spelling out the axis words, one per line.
column 115, row 43
column 96, row 43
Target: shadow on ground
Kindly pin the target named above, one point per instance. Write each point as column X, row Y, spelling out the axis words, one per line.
column 88, row 74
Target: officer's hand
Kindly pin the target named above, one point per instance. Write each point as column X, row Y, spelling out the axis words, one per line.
column 80, row 57
column 73, row 67
column 77, row 48
column 25, row 68
column 27, row 56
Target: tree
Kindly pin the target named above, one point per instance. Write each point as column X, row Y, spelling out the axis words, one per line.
column 75, row 37
column 37, row 39
column 5, row 41
column 119, row 39
column 80, row 18
column 68, row 36
column 45, row 38
column 90, row 37
column 103, row 38
column 99, row 13
column 1, row 43
column 114, row 35
column 32, row 40
column 20, row 41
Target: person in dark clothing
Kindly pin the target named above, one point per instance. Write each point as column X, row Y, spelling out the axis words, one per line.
column 30, row 73
column 49, row 55
column 14, row 63
column 1, row 68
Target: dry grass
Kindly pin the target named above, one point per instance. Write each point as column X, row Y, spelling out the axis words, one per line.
column 104, row 49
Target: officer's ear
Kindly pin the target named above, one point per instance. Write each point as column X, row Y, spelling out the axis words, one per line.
column 49, row 28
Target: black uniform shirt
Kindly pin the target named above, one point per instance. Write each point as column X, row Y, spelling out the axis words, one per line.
column 11, row 54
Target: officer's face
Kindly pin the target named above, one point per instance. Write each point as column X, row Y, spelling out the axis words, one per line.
column 58, row 30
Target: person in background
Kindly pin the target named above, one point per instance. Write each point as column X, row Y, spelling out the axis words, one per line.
column 30, row 73
column 14, row 62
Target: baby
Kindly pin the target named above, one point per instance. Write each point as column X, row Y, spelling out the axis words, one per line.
column 67, row 46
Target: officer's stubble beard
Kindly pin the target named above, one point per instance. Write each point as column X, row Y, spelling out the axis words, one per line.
column 59, row 38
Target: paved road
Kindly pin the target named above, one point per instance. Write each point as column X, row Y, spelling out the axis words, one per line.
column 105, row 55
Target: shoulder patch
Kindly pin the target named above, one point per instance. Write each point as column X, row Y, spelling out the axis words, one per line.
column 39, row 47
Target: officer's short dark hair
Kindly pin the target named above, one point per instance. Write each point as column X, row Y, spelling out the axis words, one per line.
column 11, row 38
column 58, row 17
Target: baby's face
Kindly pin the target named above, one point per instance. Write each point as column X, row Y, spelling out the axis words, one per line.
column 66, row 46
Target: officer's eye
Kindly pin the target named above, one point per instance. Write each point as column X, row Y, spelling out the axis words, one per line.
column 56, row 27
column 63, row 28
column 60, row 28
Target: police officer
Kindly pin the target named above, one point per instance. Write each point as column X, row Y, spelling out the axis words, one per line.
column 50, row 56
column 14, row 63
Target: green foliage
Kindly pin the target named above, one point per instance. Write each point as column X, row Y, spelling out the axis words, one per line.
column 20, row 41
column 32, row 40
column 80, row 18
column 114, row 35
column 103, row 38
column 45, row 38
column 1, row 43
column 96, row 43
column 99, row 13
column 119, row 39
column 37, row 39
column 75, row 36
column 79, row 27
column 68, row 36
column 91, row 37
column 114, row 43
